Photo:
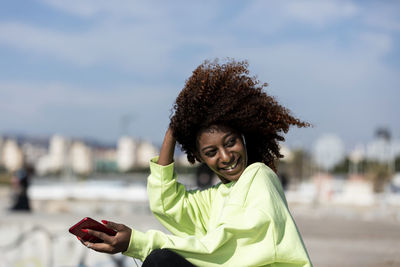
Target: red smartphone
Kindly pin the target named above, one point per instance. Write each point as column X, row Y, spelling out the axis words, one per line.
column 89, row 223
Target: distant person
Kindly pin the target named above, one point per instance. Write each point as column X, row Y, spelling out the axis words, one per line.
column 224, row 119
column 20, row 182
column 284, row 181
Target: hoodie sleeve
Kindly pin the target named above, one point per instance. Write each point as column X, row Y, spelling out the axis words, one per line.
column 181, row 212
column 254, row 228
column 244, row 237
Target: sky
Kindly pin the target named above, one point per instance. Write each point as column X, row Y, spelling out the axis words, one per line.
column 99, row 69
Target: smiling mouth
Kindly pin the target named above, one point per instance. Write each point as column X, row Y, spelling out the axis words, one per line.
column 232, row 166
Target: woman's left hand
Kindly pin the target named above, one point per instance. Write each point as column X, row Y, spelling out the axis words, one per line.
column 111, row 244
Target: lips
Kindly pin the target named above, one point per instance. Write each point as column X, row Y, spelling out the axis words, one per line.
column 232, row 166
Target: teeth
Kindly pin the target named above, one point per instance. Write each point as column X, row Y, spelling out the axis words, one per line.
column 230, row 167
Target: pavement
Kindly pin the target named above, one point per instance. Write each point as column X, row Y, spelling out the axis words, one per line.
column 348, row 236
column 335, row 235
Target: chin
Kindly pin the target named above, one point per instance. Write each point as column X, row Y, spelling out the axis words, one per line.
column 231, row 178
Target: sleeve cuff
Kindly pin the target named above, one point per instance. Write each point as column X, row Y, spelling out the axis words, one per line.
column 140, row 245
column 130, row 251
column 135, row 243
column 160, row 171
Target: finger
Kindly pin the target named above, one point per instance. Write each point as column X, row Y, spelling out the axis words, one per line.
column 103, row 236
column 115, row 226
column 101, row 247
column 86, row 243
column 81, row 240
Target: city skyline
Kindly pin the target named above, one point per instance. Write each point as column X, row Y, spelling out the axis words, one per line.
column 96, row 69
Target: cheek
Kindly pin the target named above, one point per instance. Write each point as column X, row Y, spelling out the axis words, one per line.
column 241, row 149
column 210, row 163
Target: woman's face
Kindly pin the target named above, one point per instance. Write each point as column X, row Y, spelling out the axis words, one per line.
column 223, row 151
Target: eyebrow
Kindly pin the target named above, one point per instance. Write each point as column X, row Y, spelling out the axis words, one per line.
column 224, row 138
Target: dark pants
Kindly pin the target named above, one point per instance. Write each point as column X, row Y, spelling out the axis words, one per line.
column 165, row 258
column 21, row 203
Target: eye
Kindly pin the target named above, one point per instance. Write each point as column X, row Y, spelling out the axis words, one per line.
column 231, row 142
column 210, row 153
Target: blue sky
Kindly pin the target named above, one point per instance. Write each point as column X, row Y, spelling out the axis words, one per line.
column 82, row 67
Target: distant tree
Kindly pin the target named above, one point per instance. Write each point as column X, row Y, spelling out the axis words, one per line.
column 3, row 169
column 384, row 133
column 397, row 164
column 343, row 167
column 379, row 174
column 298, row 168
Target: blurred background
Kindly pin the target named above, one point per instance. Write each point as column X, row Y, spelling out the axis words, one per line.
column 86, row 91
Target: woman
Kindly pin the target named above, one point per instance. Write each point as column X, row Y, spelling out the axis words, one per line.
column 223, row 119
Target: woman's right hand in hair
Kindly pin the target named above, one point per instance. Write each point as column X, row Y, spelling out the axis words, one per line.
column 167, row 149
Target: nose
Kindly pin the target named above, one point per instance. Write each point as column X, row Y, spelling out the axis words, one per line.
column 225, row 157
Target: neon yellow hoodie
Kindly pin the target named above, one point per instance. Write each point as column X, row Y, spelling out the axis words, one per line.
column 242, row 223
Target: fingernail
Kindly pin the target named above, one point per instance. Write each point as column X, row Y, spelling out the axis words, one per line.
column 104, row 221
column 85, row 231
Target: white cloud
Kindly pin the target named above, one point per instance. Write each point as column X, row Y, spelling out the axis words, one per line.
column 321, row 62
column 146, row 46
column 146, row 38
column 320, row 13
column 132, row 48
column 41, row 95
column 382, row 15
column 347, row 89
column 46, row 108
column 271, row 16
column 116, row 8
column 380, row 43
column 136, row 37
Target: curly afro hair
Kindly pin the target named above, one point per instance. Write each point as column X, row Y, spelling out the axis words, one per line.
column 225, row 94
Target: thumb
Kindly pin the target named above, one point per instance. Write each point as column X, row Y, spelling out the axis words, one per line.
column 113, row 225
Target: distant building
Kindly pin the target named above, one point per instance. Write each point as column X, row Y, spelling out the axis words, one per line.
column 145, row 151
column 328, row 151
column 132, row 153
column 13, row 158
column 58, row 151
column 33, row 152
column 105, row 160
column 44, row 165
column 57, row 158
column 126, row 153
column 1, row 151
column 81, row 158
column 356, row 156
